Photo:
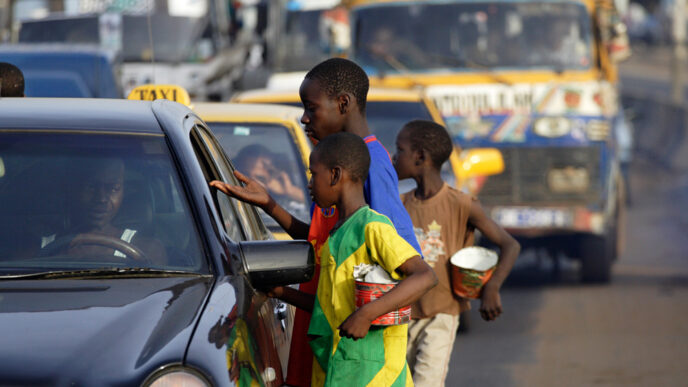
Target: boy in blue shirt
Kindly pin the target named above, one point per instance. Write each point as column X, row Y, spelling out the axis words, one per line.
column 334, row 95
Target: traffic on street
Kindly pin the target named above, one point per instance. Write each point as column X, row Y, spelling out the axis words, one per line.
column 182, row 202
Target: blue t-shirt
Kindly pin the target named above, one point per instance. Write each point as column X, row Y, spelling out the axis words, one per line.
column 383, row 195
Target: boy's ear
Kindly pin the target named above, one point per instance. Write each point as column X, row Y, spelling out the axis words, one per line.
column 421, row 156
column 344, row 101
column 335, row 175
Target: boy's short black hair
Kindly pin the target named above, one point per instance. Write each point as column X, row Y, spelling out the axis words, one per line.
column 345, row 150
column 430, row 137
column 339, row 75
column 11, row 80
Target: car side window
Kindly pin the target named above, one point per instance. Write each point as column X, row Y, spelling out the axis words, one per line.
column 253, row 228
column 227, row 209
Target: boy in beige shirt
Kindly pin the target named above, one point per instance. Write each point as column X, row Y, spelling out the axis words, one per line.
column 443, row 219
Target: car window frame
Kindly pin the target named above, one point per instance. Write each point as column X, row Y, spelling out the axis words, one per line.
column 211, row 172
column 250, row 222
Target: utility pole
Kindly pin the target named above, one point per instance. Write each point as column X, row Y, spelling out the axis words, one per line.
column 678, row 68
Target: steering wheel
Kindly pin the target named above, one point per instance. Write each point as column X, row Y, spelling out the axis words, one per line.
column 71, row 240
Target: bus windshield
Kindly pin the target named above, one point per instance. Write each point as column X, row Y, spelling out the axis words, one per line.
column 403, row 37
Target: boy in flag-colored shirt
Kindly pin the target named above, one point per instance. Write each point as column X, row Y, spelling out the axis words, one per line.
column 348, row 350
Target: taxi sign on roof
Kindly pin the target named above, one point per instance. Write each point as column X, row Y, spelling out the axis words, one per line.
column 152, row 92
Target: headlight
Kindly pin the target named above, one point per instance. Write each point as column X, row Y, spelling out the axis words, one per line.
column 597, row 130
column 177, row 377
column 552, row 126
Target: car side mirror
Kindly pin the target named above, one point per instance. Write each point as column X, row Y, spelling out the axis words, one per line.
column 278, row 263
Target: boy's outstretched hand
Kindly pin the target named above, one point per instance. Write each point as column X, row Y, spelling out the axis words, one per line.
column 253, row 192
column 355, row 326
column 491, row 305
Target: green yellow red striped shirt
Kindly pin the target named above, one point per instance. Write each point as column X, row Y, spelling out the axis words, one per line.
column 379, row 359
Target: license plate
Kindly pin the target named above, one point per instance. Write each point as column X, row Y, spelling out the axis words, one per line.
column 532, row 217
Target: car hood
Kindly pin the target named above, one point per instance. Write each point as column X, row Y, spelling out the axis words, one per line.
column 96, row 332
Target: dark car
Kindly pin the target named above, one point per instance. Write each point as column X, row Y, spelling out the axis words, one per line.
column 55, row 70
column 119, row 265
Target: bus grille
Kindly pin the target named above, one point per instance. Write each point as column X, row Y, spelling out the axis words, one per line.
column 527, row 177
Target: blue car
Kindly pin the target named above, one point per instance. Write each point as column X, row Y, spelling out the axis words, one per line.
column 120, row 265
column 64, row 70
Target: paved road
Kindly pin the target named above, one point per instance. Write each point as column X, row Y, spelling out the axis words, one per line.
column 633, row 332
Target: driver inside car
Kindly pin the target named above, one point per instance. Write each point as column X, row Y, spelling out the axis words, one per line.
column 97, row 193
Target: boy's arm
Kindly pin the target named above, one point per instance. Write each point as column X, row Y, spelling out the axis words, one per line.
column 491, row 304
column 294, row 297
column 254, row 193
column 419, row 279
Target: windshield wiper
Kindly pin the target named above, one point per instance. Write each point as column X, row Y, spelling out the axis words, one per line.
column 108, row 272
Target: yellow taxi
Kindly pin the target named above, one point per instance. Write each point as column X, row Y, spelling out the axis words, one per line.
column 387, row 110
column 267, row 143
column 264, row 141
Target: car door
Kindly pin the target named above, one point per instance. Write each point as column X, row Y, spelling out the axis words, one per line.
column 262, row 323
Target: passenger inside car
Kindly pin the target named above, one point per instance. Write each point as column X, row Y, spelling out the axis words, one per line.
column 257, row 162
column 97, row 198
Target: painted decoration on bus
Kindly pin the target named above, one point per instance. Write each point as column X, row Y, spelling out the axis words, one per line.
column 507, row 112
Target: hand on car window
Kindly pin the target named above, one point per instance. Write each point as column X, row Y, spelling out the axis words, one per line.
column 253, row 192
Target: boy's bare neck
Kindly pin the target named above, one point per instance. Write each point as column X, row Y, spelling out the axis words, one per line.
column 429, row 183
column 358, row 126
column 351, row 200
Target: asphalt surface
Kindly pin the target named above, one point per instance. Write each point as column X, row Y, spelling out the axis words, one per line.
column 632, row 332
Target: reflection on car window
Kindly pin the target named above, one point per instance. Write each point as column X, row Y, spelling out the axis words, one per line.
column 78, row 201
column 267, row 153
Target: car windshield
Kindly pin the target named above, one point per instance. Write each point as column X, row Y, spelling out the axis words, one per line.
column 76, row 201
column 268, row 153
column 386, row 118
column 399, row 38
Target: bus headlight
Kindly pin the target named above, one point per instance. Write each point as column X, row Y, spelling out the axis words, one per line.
column 597, row 130
column 552, row 127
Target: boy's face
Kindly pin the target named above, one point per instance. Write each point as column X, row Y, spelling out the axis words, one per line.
column 405, row 158
column 321, row 113
column 322, row 191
